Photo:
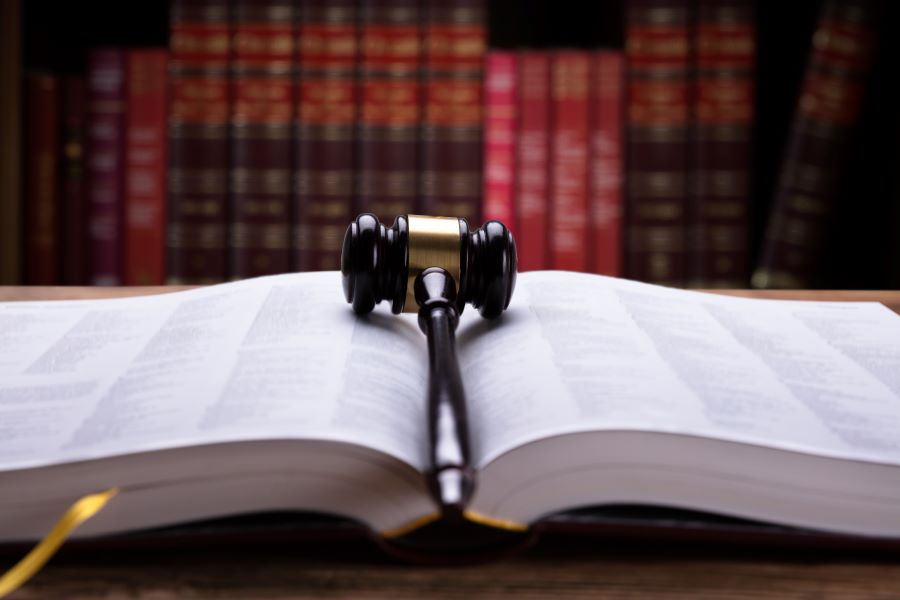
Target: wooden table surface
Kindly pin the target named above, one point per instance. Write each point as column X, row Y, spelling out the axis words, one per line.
column 599, row 569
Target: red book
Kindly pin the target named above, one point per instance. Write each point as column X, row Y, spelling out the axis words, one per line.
column 145, row 168
column 391, row 67
column 532, row 155
column 606, row 164
column 657, row 121
column 200, row 43
column 106, row 168
column 41, row 179
column 500, row 136
column 73, row 189
column 325, row 135
column 452, row 122
column 262, row 107
column 569, row 92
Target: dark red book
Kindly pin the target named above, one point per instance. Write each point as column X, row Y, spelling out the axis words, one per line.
column 106, row 163
column 200, row 42
column 570, row 97
column 73, row 183
column 145, row 167
column 41, row 179
column 325, row 134
column 827, row 112
column 606, row 162
column 391, row 66
column 532, row 226
column 260, row 137
column 500, row 123
column 455, row 41
column 657, row 121
column 723, row 102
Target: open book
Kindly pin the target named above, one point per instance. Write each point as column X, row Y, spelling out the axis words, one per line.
column 270, row 394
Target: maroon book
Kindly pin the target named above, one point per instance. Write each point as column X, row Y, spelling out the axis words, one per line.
column 260, row 137
column 73, row 188
column 827, row 111
column 391, row 65
column 41, row 179
column 452, row 124
column 198, row 141
column 723, row 102
column 657, row 120
column 106, row 169
column 325, row 136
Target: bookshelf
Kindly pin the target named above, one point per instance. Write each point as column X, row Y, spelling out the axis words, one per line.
column 863, row 246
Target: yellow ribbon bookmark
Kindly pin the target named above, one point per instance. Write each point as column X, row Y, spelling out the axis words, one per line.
column 81, row 511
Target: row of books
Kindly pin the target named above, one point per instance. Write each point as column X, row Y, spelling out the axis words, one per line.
column 248, row 145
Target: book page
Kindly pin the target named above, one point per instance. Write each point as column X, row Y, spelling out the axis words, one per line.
column 274, row 357
column 582, row 352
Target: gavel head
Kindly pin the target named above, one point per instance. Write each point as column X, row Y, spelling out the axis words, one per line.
column 382, row 263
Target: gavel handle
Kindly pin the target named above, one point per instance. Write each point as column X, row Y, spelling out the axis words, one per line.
column 452, row 478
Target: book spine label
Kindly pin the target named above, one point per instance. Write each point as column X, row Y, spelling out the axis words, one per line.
column 500, row 136
column 42, row 181
column 145, row 168
column 200, row 45
column 657, row 120
column 723, row 97
column 260, row 137
column 455, row 41
column 606, row 165
column 73, row 207
column 391, row 64
column 570, row 83
column 106, row 168
column 531, row 160
column 325, row 132
column 826, row 114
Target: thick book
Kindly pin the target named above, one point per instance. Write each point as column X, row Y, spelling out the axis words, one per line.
column 500, row 133
column 270, row 394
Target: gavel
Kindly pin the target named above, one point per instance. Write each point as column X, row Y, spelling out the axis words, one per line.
column 434, row 266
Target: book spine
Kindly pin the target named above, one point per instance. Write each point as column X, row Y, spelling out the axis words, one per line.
column 606, row 162
column 325, row 132
column 454, row 39
column 260, row 137
column 106, row 169
column 532, row 154
column 657, row 121
column 145, row 168
column 391, row 64
column 72, row 207
column 827, row 111
column 199, row 46
column 569, row 93
column 500, row 136
column 42, row 181
column 12, row 161
column 723, row 97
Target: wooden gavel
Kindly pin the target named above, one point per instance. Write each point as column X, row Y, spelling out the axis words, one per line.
column 434, row 266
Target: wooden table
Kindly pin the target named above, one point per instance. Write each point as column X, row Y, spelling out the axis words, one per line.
column 598, row 570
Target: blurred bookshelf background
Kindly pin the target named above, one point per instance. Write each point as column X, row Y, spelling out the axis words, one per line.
column 694, row 143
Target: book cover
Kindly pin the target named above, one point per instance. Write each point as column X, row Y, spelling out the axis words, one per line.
column 455, row 40
column 532, row 211
column 42, row 179
column 570, row 97
column 73, row 183
column 500, row 130
column 826, row 114
column 145, row 167
column 391, row 106
column 199, row 52
column 657, row 52
column 325, row 131
column 262, row 105
column 106, row 163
